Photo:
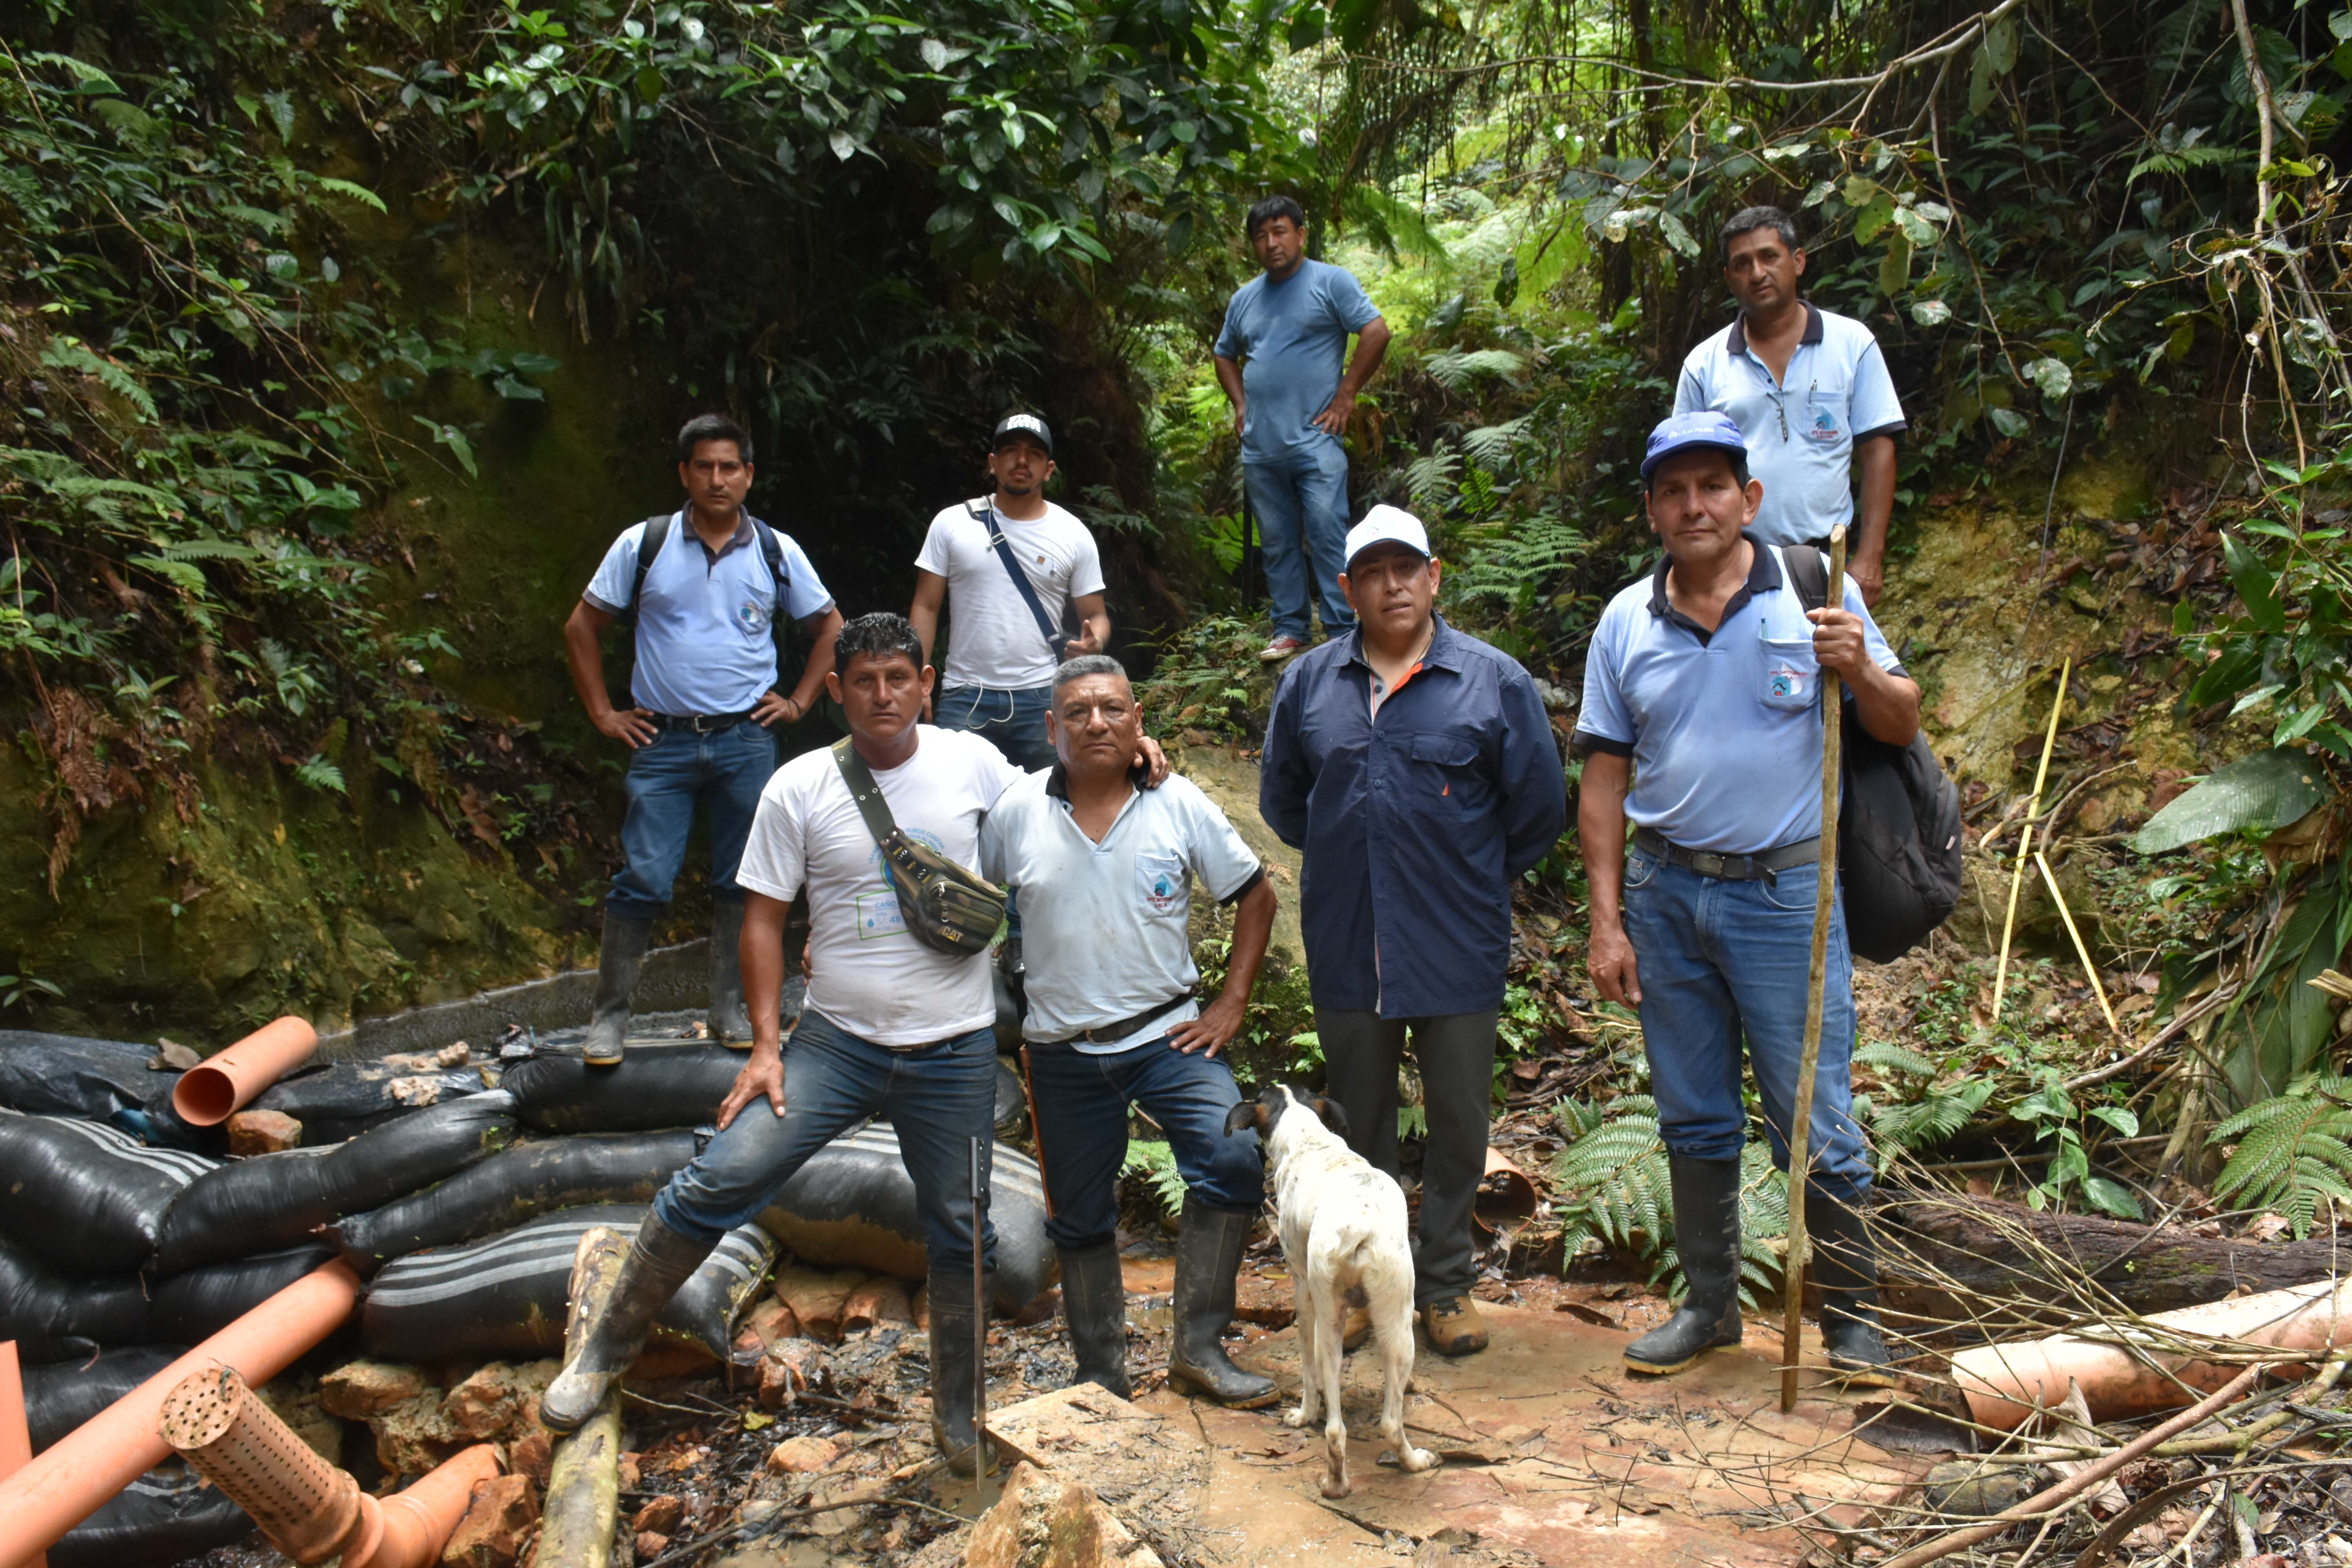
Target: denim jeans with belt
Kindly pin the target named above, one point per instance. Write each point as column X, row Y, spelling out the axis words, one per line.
column 1013, row 721
column 1722, row 962
column 1081, row 1101
column 1301, row 502
column 938, row 1097
column 724, row 770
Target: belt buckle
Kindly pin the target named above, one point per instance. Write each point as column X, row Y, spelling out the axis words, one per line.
column 1707, row 865
column 703, row 724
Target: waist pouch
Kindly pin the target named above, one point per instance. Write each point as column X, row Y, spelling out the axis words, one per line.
column 949, row 908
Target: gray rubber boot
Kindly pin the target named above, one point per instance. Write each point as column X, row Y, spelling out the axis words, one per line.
column 659, row 1261
column 1707, row 1238
column 1094, row 1304
column 1208, row 1257
column 622, row 954
column 730, row 1022
column 952, row 1313
column 1845, row 1266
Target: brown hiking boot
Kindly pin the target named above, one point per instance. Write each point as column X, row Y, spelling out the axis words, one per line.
column 1453, row 1326
column 1358, row 1330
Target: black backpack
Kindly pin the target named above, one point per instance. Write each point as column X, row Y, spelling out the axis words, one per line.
column 657, row 532
column 1898, row 822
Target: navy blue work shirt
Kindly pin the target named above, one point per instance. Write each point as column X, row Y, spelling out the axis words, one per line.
column 1415, row 824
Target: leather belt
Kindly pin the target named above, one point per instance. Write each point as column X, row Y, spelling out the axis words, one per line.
column 1731, row 868
column 1108, row 1034
column 700, row 723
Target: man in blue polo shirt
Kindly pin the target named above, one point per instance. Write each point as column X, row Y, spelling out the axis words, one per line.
column 1808, row 390
column 1280, row 358
column 705, row 599
column 1701, row 724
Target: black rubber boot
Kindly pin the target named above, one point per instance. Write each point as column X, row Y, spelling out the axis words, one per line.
column 1208, row 1257
column 622, row 954
column 659, row 1261
column 1094, row 1304
column 730, row 1022
column 1845, row 1266
column 1707, row 1237
column 952, row 1315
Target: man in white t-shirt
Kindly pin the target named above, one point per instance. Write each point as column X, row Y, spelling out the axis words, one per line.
column 1005, row 644
column 1106, row 872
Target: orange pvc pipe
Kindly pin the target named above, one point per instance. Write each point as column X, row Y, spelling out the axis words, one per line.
column 211, row 1092
column 15, row 1436
column 2005, row 1383
column 69, row 1483
column 418, row 1523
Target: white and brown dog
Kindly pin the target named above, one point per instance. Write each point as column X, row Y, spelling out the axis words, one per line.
column 1344, row 1234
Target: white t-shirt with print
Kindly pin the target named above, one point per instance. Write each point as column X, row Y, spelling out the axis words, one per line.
column 993, row 639
column 869, row 973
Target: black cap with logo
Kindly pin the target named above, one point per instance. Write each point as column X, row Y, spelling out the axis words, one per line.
column 1027, row 425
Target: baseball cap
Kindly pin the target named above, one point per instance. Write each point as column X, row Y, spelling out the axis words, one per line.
column 1383, row 523
column 1027, row 425
column 1689, row 432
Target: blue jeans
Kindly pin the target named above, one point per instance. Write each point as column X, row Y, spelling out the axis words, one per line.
column 1720, row 961
column 1081, row 1103
column 1012, row 721
column 1301, row 501
column 939, row 1098
column 724, row 770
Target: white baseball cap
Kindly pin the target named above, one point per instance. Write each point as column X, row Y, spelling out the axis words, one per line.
column 1384, row 523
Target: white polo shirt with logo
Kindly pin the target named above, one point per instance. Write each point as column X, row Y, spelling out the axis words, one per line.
column 993, row 639
column 1801, row 428
column 1104, row 926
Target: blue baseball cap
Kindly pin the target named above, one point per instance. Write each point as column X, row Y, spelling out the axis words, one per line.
column 1684, row 432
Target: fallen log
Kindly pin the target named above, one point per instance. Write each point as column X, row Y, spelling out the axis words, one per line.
column 2005, row 1250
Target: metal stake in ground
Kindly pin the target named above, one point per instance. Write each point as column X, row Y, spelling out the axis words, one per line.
column 1801, row 1126
column 978, row 1332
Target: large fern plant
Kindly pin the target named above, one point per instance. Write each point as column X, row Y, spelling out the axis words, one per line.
column 1928, row 1114
column 2293, row 1151
column 1612, row 1187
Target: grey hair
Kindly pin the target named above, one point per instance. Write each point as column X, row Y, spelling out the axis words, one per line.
column 1746, row 220
column 1087, row 664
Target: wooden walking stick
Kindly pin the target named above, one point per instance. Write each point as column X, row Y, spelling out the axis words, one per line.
column 2025, row 843
column 1801, row 1128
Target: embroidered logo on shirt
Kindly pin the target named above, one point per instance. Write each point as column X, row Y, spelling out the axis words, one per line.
column 1825, row 425
column 1159, row 883
column 750, row 615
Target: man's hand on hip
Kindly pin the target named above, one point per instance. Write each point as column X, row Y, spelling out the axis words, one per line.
column 633, row 726
column 775, row 705
column 1333, row 420
column 1869, row 574
column 1610, row 960
column 1210, row 1033
column 763, row 1075
column 1838, row 642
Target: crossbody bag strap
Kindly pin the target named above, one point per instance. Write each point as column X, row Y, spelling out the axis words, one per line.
column 1046, row 625
column 657, row 535
column 865, row 791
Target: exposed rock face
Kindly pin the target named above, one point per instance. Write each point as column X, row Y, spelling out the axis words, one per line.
column 497, row 1524
column 1046, row 1522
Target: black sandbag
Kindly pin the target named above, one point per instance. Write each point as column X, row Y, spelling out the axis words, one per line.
column 335, row 1100
column 517, row 1184
column 52, row 1317
column 201, row 1303
column 655, row 1085
column 166, row 1516
column 506, row 1296
column 854, row 1205
column 98, row 1081
column 277, row 1200
column 61, row 1397
column 84, row 1197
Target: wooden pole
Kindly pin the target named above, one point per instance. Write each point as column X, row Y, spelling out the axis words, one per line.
column 2081, row 948
column 1801, row 1127
column 2025, row 841
column 583, row 1477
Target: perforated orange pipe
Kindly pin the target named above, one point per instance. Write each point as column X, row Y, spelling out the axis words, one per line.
column 69, row 1483
column 211, row 1092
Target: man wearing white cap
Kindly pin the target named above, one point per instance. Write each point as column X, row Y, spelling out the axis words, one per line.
column 1415, row 768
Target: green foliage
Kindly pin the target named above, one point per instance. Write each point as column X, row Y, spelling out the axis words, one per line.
column 2257, row 794
column 1151, row 1160
column 1613, row 1187
column 2293, row 1151
column 1928, row 1113
column 2051, row 1111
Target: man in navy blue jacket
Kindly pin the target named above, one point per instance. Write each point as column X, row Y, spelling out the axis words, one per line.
column 1415, row 768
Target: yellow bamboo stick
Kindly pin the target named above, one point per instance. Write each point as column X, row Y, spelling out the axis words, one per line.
column 2025, row 840
column 2082, row 950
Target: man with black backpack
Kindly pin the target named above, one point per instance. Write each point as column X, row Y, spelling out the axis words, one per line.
column 705, row 591
column 1006, row 565
column 1701, row 724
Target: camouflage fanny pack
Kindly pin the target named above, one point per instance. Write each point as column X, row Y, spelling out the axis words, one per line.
column 948, row 909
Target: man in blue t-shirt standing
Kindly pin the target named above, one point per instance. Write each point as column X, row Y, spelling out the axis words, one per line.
column 704, row 597
column 1279, row 360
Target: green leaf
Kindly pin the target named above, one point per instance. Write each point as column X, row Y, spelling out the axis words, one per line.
column 2258, row 794
column 1871, row 219
column 1930, row 313
column 2112, row 1197
column 181, row 575
column 2000, row 45
column 2257, row 588
column 322, row 775
column 2008, row 421
column 357, row 193
column 2118, row 1116
column 1677, row 236
column 649, row 84
column 1894, row 266
column 2053, row 377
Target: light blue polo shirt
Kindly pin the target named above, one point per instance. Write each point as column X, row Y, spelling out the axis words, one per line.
column 706, row 641
column 1724, row 728
column 1291, row 338
column 1801, row 430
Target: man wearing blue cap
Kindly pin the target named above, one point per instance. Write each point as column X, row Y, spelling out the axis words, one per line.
column 1415, row 768
column 1701, row 724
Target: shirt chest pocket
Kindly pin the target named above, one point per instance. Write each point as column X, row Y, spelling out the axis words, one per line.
column 752, row 611
column 1788, row 674
column 1445, row 766
column 1162, row 886
column 1824, row 412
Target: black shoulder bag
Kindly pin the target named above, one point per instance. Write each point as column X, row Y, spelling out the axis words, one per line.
column 949, row 908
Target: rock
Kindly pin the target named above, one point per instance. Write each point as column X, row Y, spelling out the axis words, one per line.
column 765, row 1325
column 262, row 1133
column 532, row 1454
column 1972, row 1489
column 359, row 1389
column 661, row 1515
column 881, row 1300
column 786, row 1370
column 171, row 1057
column 803, row 1456
column 295, row 1401
column 1043, row 1522
column 630, row 1475
column 816, row 1297
column 496, row 1522
column 651, row 1545
column 415, row 1435
column 918, row 1307
column 493, row 1399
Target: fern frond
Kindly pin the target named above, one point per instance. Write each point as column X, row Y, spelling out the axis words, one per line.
column 1888, row 1057
column 2293, row 1150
